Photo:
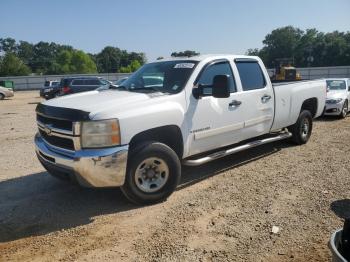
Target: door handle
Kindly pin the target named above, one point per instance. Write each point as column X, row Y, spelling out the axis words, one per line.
column 235, row 103
column 265, row 98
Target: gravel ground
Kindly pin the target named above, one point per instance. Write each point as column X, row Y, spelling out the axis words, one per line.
column 222, row 211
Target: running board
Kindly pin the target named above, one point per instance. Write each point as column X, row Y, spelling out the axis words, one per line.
column 220, row 154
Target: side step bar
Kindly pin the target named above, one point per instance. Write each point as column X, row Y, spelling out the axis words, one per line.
column 220, row 154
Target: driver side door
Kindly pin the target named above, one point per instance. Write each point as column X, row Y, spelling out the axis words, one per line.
column 216, row 122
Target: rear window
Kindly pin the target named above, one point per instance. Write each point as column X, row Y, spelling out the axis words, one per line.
column 47, row 83
column 251, row 75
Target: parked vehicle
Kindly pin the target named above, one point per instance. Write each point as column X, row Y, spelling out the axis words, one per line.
column 137, row 135
column 50, row 89
column 71, row 85
column 338, row 97
column 120, row 81
column 5, row 92
column 285, row 71
column 7, row 84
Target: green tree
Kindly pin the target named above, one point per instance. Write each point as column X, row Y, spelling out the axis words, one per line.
column 187, row 53
column 134, row 65
column 75, row 61
column 11, row 65
column 63, row 62
column 108, row 60
column 82, row 63
column 8, row 45
column 25, row 52
column 112, row 59
column 308, row 47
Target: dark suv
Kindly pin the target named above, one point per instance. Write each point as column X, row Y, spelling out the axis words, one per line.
column 71, row 85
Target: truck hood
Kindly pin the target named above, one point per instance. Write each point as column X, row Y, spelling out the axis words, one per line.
column 95, row 102
column 337, row 94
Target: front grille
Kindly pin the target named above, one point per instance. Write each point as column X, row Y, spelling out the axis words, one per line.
column 61, row 142
column 55, row 123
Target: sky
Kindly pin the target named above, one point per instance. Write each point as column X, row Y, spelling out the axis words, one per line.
column 160, row 27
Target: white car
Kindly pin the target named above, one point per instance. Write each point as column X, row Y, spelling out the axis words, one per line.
column 5, row 92
column 338, row 97
column 198, row 109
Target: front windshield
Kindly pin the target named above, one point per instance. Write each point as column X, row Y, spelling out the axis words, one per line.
column 167, row 77
column 336, row 85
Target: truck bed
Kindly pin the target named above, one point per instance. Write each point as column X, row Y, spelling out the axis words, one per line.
column 289, row 97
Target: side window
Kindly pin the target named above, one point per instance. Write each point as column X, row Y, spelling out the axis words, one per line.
column 349, row 84
column 221, row 68
column 92, row 82
column 251, row 75
column 78, row 82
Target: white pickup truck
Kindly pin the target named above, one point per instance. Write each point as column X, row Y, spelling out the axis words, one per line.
column 171, row 112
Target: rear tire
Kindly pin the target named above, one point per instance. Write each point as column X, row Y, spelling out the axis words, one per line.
column 344, row 110
column 302, row 129
column 153, row 173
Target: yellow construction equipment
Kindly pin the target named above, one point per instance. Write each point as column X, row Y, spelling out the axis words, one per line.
column 284, row 71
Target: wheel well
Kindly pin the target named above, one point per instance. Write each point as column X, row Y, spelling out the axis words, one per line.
column 310, row 105
column 170, row 135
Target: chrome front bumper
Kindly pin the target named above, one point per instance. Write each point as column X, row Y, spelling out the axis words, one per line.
column 90, row 167
column 334, row 109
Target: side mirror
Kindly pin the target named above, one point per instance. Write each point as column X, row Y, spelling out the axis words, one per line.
column 221, row 88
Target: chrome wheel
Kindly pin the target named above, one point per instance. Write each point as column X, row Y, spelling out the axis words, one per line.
column 305, row 126
column 345, row 110
column 151, row 174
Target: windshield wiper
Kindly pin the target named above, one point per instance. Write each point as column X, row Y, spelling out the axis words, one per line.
column 149, row 88
column 121, row 87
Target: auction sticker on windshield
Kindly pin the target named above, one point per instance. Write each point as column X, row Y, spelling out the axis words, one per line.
column 184, row 65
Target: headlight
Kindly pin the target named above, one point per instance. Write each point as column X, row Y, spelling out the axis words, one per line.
column 334, row 101
column 338, row 100
column 100, row 133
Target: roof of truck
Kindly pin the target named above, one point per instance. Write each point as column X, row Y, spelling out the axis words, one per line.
column 204, row 57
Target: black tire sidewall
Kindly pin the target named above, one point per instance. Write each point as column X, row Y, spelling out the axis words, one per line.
column 297, row 128
column 152, row 149
column 2, row 97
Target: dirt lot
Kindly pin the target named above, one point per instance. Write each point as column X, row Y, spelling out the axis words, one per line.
column 223, row 211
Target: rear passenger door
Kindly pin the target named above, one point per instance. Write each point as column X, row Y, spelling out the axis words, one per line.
column 256, row 96
column 77, row 85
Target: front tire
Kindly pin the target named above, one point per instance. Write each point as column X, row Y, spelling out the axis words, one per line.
column 2, row 97
column 344, row 110
column 302, row 129
column 153, row 173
